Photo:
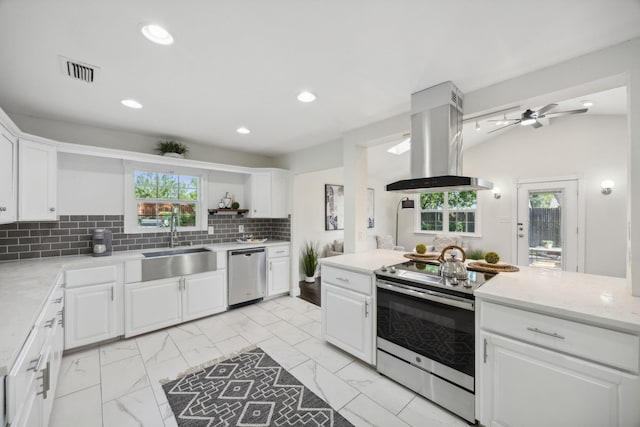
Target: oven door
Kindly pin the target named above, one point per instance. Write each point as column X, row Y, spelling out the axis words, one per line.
column 435, row 325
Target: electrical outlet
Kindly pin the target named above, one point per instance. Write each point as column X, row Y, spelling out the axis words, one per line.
column 210, row 229
column 241, row 229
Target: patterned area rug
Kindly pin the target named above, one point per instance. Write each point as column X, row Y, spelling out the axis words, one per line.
column 249, row 390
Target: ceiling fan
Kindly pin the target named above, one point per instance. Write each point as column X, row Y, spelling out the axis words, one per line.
column 530, row 117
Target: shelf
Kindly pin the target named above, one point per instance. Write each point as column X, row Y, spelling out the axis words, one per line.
column 228, row 211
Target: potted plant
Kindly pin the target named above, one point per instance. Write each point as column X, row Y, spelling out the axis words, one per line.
column 172, row 148
column 309, row 260
column 547, row 244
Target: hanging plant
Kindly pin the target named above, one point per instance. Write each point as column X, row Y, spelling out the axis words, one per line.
column 172, row 146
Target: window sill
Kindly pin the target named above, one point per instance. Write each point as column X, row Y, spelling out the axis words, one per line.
column 448, row 233
column 159, row 230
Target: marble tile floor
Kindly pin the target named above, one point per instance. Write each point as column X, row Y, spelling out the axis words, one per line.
column 117, row 385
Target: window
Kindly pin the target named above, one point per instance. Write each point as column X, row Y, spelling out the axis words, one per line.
column 154, row 196
column 454, row 212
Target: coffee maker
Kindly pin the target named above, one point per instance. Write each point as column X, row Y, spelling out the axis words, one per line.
column 101, row 242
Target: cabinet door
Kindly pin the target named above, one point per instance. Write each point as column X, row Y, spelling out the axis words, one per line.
column 8, row 177
column 261, row 195
column 151, row 305
column 37, row 181
column 347, row 321
column 204, row 294
column 524, row 385
column 31, row 412
column 90, row 314
column 280, row 194
column 278, row 277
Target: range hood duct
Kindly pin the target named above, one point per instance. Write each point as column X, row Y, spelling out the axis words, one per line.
column 436, row 144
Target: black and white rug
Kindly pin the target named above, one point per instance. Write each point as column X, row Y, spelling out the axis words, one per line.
column 249, row 390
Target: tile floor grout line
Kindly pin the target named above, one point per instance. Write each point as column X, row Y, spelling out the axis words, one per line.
column 146, row 371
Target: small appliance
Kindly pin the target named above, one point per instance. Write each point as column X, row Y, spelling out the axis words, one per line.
column 102, row 242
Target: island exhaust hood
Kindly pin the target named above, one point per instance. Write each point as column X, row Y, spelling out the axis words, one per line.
column 436, row 144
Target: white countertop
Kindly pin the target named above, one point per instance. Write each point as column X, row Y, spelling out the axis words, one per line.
column 601, row 300
column 25, row 285
column 365, row 262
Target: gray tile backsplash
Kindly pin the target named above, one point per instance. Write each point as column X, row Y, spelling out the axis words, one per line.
column 71, row 235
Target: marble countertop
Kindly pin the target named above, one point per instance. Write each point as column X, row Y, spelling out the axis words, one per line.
column 365, row 262
column 25, row 285
column 601, row 300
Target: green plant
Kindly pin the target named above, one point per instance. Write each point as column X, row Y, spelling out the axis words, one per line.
column 547, row 243
column 475, row 254
column 235, row 205
column 309, row 258
column 172, row 146
column 492, row 257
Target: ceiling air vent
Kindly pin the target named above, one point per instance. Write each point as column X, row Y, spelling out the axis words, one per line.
column 78, row 70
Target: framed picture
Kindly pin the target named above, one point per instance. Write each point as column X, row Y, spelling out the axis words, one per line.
column 334, row 207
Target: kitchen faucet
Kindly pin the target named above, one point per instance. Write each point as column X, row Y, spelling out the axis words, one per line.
column 173, row 227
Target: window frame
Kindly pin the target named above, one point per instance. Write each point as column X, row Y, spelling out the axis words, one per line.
column 131, row 203
column 446, row 210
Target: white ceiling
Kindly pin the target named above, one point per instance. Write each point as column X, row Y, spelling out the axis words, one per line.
column 242, row 62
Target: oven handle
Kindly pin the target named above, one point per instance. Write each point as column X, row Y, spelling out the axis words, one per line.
column 428, row 295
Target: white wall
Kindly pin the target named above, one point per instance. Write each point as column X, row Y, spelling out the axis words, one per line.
column 221, row 183
column 593, row 147
column 89, row 185
column 130, row 141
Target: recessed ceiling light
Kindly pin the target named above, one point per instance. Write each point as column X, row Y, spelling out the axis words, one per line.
column 401, row 148
column 306, row 97
column 131, row 103
column 243, row 130
column 157, row 34
column 587, row 103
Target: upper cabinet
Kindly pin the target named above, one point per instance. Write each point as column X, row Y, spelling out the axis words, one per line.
column 268, row 194
column 37, row 181
column 8, row 176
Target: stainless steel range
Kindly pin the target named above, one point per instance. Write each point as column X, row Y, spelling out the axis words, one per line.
column 426, row 334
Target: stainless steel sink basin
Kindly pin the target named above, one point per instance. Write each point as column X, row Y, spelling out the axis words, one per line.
column 177, row 262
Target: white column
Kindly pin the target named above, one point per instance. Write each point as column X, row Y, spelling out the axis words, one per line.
column 355, row 197
column 633, row 192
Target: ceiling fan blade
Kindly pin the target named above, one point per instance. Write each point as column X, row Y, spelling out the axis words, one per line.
column 546, row 108
column 504, row 127
column 563, row 113
column 536, row 125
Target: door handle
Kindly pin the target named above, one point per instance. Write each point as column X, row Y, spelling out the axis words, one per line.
column 112, row 292
column 485, row 350
column 520, row 235
column 366, row 309
column 270, row 265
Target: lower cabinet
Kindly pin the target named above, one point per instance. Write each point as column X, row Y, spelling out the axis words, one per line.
column 347, row 321
column 91, row 314
column 278, row 276
column 32, row 380
column 160, row 303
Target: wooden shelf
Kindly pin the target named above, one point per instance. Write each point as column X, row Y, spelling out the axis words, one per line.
column 228, row 211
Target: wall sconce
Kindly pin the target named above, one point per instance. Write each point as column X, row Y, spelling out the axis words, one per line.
column 496, row 193
column 607, row 186
column 405, row 203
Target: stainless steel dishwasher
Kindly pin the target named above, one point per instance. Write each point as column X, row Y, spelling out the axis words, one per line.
column 247, row 275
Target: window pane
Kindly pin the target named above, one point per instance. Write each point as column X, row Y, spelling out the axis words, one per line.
column 431, row 221
column 188, row 215
column 462, row 222
column 432, row 201
column 462, row 199
column 167, row 186
column 146, row 186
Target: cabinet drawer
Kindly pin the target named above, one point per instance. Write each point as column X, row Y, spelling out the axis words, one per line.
column 601, row 345
column 347, row 279
column 90, row 276
column 277, row 251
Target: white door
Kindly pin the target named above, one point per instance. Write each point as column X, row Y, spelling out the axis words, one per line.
column 90, row 314
column 524, row 385
column 347, row 321
column 547, row 225
column 204, row 294
column 278, row 276
column 152, row 305
column 37, row 182
column 8, row 177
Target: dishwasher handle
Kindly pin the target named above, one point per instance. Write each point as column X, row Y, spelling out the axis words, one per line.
column 247, row 252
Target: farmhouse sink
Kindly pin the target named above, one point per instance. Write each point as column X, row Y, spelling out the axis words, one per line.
column 177, row 262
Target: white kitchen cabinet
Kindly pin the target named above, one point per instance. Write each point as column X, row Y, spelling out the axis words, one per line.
column 204, row 294
column 268, row 194
column 160, row 303
column 93, row 304
column 347, row 312
column 532, row 371
column 8, row 176
column 37, row 181
column 152, row 305
column 278, row 270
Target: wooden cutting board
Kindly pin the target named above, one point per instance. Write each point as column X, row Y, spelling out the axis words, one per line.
column 423, row 258
column 485, row 267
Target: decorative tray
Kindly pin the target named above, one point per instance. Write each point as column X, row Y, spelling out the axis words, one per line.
column 485, row 267
column 251, row 240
